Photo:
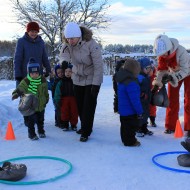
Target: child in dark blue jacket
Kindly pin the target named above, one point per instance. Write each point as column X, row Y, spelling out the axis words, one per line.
column 54, row 79
column 129, row 104
column 145, row 86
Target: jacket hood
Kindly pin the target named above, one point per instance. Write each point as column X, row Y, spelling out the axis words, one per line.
column 123, row 75
column 175, row 44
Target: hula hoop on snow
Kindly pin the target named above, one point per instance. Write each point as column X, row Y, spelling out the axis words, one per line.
column 166, row 167
column 40, row 181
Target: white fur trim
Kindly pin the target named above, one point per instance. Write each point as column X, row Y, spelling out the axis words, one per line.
column 156, row 83
column 158, row 79
column 174, row 82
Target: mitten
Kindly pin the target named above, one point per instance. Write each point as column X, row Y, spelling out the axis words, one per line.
column 46, row 74
column 166, row 78
column 18, row 78
column 15, row 96
column 95, row 90
column 144, row 96
column 174, row 81
column 158, row 79
column 154, row 89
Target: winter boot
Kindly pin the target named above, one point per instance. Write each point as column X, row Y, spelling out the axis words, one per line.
column 65, row 125
column 74, row 127
column 152, row 121
column 83, row 138
column 168, row 131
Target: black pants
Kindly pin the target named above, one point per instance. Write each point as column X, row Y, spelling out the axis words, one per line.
column 36, row 118
column 129, row 126
column 86, row 104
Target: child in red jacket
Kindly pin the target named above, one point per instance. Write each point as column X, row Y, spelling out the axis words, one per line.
column 65, row 99
column 152, row 108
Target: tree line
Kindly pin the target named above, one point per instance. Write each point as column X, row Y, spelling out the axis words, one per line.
column 8, row 48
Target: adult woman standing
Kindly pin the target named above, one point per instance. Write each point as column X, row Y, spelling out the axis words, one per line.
column 173, row 67
column 30, row 45
column 84, row 53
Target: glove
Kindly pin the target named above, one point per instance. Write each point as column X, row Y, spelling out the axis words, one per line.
column 15, row 96
column 140, row 116
column 18, row 78
column 95, row 90
column 46, row 75
column 166, row 78
column 155, row 89
column 144, row 96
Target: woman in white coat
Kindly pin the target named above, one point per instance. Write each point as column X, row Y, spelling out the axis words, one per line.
column 80, row 49
column 173, row 67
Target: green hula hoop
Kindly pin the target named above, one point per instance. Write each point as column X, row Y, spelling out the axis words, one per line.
column 40, row 181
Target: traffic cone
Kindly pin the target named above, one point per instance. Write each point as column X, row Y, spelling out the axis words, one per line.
column 178, row 130
column 10, row 133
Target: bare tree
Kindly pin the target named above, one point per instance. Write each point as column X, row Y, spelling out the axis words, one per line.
column 52, row 15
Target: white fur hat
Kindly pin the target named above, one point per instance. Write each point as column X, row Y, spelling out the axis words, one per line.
column 72, row 30
column 162, row 44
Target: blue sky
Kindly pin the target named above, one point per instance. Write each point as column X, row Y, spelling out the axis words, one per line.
column 133, row 21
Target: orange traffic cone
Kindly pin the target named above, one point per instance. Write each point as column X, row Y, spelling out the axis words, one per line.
column 178, row 130
column 10, row 133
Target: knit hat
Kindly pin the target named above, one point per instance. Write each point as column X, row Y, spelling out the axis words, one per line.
column 132, row 66
column 162, row 44
column 33, row 66
column 145, row 62
column 32, row 26
column 72, row 30
column 56, row 68
column 66, row 65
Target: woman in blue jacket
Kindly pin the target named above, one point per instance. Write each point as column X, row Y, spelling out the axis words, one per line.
column 30, row 45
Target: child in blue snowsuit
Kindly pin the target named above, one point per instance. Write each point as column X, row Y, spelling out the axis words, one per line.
column 51, row 86
column 129, row 104
column 145, row 86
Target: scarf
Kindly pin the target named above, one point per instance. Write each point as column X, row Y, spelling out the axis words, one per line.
column 164, row 63
column 34, row 83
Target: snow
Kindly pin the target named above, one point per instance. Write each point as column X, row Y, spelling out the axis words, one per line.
column 102, row 163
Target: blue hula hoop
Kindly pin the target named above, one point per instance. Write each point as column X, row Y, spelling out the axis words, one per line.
column 40, row 181
column 166, row 167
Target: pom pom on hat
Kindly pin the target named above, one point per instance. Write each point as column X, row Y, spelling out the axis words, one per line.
column 162, row 45
column 72, row 30
column 66, row 65
column 33, row 66
column 32, row 26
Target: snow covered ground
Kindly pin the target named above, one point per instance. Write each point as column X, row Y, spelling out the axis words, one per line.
column 102, row 163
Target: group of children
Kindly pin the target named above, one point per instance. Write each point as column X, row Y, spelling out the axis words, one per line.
column 64, row 101
column 132, row 86
column 63, row 97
